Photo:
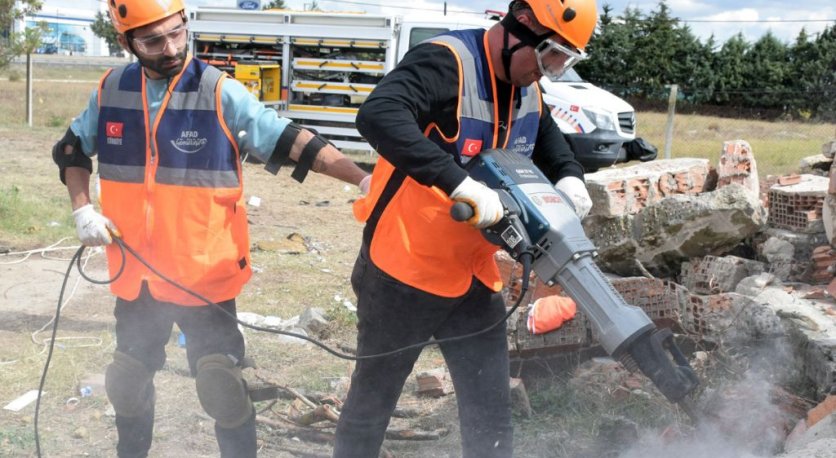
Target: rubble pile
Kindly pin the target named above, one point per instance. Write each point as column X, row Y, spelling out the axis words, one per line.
column 738, row 272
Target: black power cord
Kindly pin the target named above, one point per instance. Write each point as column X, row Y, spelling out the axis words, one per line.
column 525, row 259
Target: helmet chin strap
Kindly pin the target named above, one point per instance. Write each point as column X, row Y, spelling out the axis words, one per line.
column 511, row 25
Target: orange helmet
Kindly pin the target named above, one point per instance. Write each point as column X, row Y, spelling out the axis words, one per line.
column 574, row 20
column 130, row 14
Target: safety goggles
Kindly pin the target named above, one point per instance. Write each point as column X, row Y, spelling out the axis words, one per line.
column 156, row 44
column 554, row 58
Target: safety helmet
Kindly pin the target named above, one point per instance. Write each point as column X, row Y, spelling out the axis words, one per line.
column 131, row 14
column 573, row 20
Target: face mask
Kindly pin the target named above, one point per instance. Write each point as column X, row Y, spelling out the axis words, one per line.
column 554, row 58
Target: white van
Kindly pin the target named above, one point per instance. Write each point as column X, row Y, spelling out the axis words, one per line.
column 600, row 126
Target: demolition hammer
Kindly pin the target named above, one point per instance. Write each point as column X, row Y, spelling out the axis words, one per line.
column 540, row 222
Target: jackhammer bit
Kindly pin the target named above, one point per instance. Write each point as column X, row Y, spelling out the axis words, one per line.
column 541, row 221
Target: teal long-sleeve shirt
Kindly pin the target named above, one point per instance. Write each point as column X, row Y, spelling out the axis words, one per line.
column 242, row 112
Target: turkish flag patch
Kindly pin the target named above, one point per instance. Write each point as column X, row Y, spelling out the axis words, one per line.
column 471, row 147
column 113, row 129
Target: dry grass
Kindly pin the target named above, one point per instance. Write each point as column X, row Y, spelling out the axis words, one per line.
column 777, row 146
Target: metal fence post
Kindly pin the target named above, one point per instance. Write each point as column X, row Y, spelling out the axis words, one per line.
column 29, row 77
column 669, row 126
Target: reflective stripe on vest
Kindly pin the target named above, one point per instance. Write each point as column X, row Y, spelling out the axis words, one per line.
column 410, row 233
column 173, row 189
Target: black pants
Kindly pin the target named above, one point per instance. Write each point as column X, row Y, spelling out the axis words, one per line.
column 143, row 327
column 392, row 315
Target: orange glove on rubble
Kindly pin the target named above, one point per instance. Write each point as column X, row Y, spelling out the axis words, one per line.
column 549, row 313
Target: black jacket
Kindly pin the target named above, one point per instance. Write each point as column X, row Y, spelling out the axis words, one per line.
column 423, row 89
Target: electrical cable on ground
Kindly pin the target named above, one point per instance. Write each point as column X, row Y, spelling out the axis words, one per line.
column 97, row 341
column 525, row 259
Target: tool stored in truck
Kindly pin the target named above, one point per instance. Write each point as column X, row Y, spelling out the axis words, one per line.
column 540, row 222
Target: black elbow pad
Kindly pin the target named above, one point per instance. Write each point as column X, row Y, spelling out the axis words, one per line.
column 306, row 158
column 282, row 149
column 73, row 158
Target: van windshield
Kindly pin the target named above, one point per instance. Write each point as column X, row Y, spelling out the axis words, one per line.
column 570, row 76
column 419, row 34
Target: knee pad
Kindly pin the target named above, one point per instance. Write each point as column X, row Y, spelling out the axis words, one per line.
column 128, row 384
column 222, row 391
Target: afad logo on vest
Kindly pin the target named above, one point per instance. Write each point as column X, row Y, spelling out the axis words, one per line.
column 189, row 142
column 113, row 132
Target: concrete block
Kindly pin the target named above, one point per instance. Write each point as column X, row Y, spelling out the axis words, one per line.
column 798, row 207
column 627, row 190
column 737, row 165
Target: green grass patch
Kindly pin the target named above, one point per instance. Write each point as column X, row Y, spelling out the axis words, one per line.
column 25, row 218
column 60, row 72
column 16, row 438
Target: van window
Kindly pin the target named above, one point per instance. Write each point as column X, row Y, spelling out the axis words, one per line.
column 570, row 76
column 419, row 34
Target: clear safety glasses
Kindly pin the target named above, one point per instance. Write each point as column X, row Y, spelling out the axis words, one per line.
column 156, row 44
column 554, row 58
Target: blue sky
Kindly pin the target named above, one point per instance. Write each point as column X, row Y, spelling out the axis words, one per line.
column 699, row 11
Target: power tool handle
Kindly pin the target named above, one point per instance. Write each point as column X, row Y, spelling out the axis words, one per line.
column 461, row 211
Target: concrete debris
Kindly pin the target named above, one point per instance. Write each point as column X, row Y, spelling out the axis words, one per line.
column 714, row 274
column 313, row 320
column 434, row 383
column 818, row 426
column 823, row 264
column 829, row 208
column 737, row 165
column 663, row 236
column 798, row 207
column 828, row 149
column 627, row 190
column 788, row 253
column 790, row 179
column 520, row 404
column 777, row 250
column 817, row 164
column 734, row 270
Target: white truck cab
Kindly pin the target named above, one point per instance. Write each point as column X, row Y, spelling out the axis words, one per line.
column 597, row 123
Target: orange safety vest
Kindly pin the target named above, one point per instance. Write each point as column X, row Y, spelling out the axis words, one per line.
column 180, row 204
column 410, row 232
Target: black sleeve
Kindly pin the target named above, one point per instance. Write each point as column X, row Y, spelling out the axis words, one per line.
column 552, row 153
column 422, row 89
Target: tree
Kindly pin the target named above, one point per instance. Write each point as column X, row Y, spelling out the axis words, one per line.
column 103, row 28
column 825, row 76
column 275, row 4
column 609, row 54
column 13, row 44
column 765, row 73
column 730, row 70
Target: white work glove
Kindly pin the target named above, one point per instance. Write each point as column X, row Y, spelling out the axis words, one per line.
column 365, row 184
column 575, row 189
column 92, row 227
column 487, row 208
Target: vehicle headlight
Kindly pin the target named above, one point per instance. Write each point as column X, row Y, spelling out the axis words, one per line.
column 601, row 120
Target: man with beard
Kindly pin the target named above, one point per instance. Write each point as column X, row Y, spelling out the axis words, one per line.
column 168, row 132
